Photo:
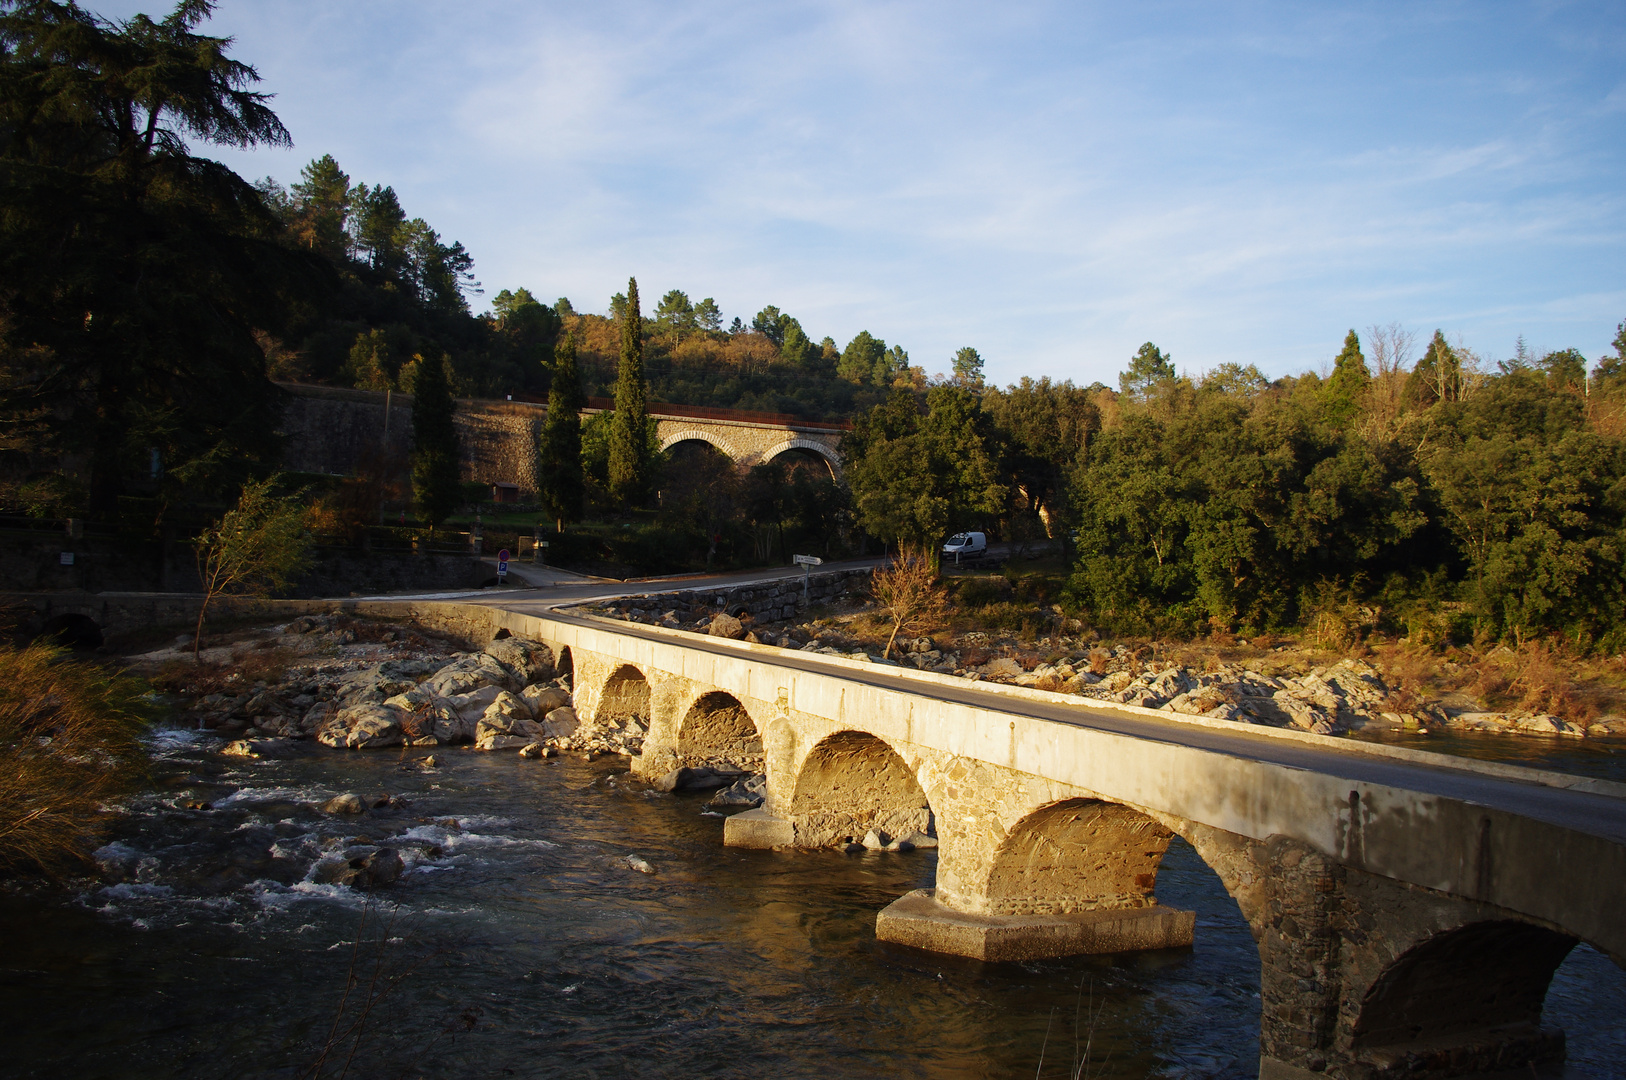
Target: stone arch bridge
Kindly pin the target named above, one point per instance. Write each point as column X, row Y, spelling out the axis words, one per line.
column 1409, row 909
column 747, row 438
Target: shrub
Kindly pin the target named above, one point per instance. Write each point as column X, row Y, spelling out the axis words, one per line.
column 68, row 743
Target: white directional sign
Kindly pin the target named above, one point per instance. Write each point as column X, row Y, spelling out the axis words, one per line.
column 809, row 560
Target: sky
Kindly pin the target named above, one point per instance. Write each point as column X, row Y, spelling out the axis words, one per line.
column 1051, row 184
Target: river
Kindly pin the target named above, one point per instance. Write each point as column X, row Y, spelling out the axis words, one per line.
column 521, row 942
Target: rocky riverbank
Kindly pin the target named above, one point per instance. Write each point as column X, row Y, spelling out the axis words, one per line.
column 347, row 683
column 1341, row 697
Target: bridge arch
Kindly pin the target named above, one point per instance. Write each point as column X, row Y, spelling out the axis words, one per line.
column 72, row 630
column 830, row 457
column 1076, row 855
column 625, row 696
column 711, row 438
column 1483, row 975
column 851, row 782
column 717, row 730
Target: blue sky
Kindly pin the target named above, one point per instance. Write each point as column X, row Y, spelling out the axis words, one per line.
column 1051, row 183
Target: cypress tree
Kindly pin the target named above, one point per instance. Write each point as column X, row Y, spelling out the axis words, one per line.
column 435, row 471
column 1349, row 381
column 560, row 472
column 629, row 435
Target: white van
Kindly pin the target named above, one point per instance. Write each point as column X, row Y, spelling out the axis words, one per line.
column 967, row 545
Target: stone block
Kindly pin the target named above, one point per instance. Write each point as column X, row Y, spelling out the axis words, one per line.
column 918, row 920
column 757, row 829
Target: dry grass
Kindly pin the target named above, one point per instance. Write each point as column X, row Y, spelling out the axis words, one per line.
column 1535, row 678
column 69, row 743
column 267, row 663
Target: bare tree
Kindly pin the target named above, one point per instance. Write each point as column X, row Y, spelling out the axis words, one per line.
column 1391, row 349
column 910, row 593
column 257, row 548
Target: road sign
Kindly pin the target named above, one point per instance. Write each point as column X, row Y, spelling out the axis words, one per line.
column 502, row 566
column 502, row 556
column 809, row 560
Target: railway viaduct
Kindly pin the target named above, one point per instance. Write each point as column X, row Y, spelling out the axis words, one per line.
column 1409, row 908
column 335, row 430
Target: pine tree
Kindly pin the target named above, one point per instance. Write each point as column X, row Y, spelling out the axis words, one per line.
column 435, row 473
column 560, row 453
column 629, row 435
column 1147, row 368
column 1349, row 381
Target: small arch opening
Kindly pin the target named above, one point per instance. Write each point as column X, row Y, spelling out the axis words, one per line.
column 72, row 631
column 1479, row 976
column 565, row 668
column 1077, row 855
column 626, row 696
column 718, row 732
column 853, row 782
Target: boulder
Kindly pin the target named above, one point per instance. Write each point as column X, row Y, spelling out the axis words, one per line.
column 508, row 705
column 530, row 661
column 261, row 748
column 1607, row 727
column 365, row 726
column 875, row 840
column 487, row 739
column 360, row 868
column 696, row 779
column 544, row 699
column 349, row 803
column 447, row 726
column 1001, row 667
column 316, row 716
column 470, row 672
column 1548, row 725
column 495, row 724
column 748, row 792
column 374, row 732
column 1198, row 702
column 413, row 699
column 473, row 704
column 725, row 625
column 561, row 723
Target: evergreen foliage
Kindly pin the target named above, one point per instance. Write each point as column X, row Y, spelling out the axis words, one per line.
column 1349, row 381
column 1147, row 370
column 559, row 471
column 137, row 274
column 630, row 447
column 435, row 475
column 916, row 477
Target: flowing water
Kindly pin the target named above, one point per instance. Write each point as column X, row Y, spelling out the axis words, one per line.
column 521, row 942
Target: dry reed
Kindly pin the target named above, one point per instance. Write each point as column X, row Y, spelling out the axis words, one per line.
column 69, row 742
